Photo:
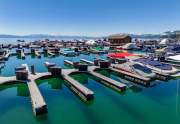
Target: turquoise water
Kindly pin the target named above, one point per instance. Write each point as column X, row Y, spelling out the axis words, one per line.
column 138, row 105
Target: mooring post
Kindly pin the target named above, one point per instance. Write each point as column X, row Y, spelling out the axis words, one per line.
column 32, row 69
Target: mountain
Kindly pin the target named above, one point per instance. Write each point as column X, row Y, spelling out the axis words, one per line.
column 173, row 34
column 46, row 36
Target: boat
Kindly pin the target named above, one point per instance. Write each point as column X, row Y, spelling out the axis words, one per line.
column 47, row 64
column 157, row 66
column 129, row 46
column 4, row 54
column 135, row 68
column 120, row 55
column 173, row 59
column 68, row 52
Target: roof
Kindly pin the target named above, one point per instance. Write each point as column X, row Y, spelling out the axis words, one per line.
column 164, row 41
column 176, row 57
column 118, row 36
column 120, row 55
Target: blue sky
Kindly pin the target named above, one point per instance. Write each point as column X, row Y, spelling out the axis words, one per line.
column 88, row 17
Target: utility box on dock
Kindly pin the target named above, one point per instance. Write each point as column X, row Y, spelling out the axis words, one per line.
column 76, row 64
column 76, row 49
column 55, row 70
column 96, row 62
column 18, row 51
column 104, row 64
column 32, row 50
column 83, row 67
column 32, row 69
column 20, row 68
column 21, row 75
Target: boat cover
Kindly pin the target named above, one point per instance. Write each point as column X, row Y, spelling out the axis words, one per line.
column 154, row 63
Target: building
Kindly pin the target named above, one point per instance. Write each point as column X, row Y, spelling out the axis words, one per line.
column 116, row 40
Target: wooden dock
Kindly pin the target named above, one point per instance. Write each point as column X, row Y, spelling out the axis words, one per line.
column 7, row 55
column 83, row 92
column 87, row 62
column 22, row 54
column 50, row 53
column 133, row 77
column 67, row 62
column 37, row 53
column 38, row 103
column 107, row 81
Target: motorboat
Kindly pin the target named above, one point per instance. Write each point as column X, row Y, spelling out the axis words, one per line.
column 135, row 68
column 157, row 66
column 68, row 52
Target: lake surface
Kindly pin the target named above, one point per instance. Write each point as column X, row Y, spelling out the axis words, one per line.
column 137, row 105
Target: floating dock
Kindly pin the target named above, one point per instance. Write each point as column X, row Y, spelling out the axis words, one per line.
column 107, row 81
column 37, row 53
column 83, row 92
column 38, row 103
column 133, row 77
column 67, row 62
column 22, row 54
column 7, row 55
column 50, row 53
column 87, row 62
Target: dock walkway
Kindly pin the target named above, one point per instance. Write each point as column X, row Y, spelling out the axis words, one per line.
column 87, row 62
column 38, row 103
column 85, row 93
column 133, row 77
column 107, row 81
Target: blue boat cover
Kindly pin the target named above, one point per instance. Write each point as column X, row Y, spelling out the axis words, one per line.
column 154, row 63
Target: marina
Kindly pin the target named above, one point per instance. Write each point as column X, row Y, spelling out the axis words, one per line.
column 68, row 69
column 89, row 62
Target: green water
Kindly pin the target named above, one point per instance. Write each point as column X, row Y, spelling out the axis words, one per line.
column 137, row 105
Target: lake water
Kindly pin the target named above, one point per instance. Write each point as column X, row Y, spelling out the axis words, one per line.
column 137, row 105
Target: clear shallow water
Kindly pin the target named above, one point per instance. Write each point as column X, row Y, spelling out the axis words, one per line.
column 138, row 105
column 15, row 61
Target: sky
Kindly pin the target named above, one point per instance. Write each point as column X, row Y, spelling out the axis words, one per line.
column 88, row 17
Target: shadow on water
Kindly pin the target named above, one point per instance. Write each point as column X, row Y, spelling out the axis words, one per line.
column 115, row 76
column 128, row 108
column 52, row 82
column 22, row 89
column 41, row 118
column 120, row 103
column 9, row 104
column 83, row 79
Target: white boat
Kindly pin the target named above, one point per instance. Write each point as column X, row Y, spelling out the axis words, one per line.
column 157, row 66
column 135, row 68
column 173, row 59
column 129, row 46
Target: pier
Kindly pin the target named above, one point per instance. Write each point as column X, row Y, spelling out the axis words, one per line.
column 35, row 52
column 132, row 77
column 87, row 62
column 83, row 92
column 50, row 53
column 107, row 81
column 7, row 55
column 22, row 54
column 38, row 103
column 67, row 62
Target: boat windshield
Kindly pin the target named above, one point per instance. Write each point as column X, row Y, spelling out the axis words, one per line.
column 154, row 63
column 142, row 68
